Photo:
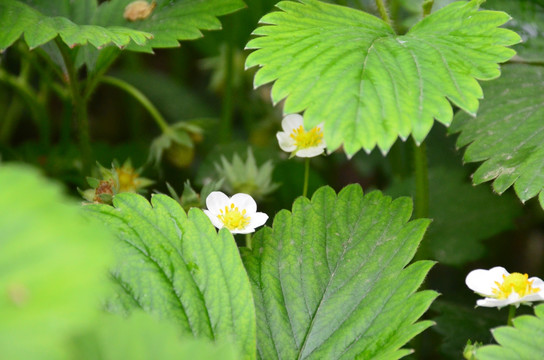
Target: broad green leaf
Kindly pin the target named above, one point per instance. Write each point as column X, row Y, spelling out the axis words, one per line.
column 177, row 267
column 171, row 20
column 369, row 85
column 17, row 18
column 523, row 341
column 140, row 337
column 508, row 134
column 528, row 22
column 462, row 215
column 53, row 267
column 330, row 279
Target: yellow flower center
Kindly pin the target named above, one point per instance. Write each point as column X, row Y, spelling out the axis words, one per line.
column 128, row 180
column 233, row 219
column 514, row 282
column 307, row 139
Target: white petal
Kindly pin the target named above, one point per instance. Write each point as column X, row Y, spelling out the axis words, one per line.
column 244, row 202
column 310, row 152
column 214, row 219
column 248, row 229
column 483, row 281
column 258, row 219
column 291, row 122
column 487, row 302
column 537, row 283
column 216, row 201
column 286, row 142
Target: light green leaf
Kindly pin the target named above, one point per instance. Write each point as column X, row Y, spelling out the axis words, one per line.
column 177, row 267
column 462, row 215
column 523, row 341
column 53, row 267
column 17, row 18
column 330, row 282
column 369, row 85
column 140, row 337
column 508, row 134
column 171, row 20
column 528, row 22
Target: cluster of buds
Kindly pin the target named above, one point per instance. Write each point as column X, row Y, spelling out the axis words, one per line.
column 113, row 181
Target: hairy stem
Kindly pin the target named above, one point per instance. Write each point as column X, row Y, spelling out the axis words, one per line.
column 511, row 314
column 141, row 98
column 306, row 176
column 422, row 181
column 248, row 241
column 382, row 8
column 80, row 107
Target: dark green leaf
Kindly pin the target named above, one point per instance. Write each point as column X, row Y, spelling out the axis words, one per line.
column 330, row 282
column 177, row 267
column 508, row 134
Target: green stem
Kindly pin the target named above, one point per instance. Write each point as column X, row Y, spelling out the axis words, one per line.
column 511, row 314
column 382, row 9
column 80, row 107
column 225, row 131
column 248, row 241
column 422, row 181
column 29, row 96
column 141, row 98
column 306, row 176
column 427, row 7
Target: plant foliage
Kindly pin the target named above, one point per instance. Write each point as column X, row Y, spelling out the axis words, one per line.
column 83, row 21
column 330, row 281
column 508, row 134
column 176, row 266
column 462, row 215
column 369, row 85
column 521, row 341
column 51, row 277
column 18, row 18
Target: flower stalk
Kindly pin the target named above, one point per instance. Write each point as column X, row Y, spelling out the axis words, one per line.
column 80, row 107
column 511, row 314
column 306, row 176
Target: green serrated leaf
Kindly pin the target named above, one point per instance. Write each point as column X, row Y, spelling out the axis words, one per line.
column 369, row 85
column 462, row 215
column 51, row 277
column 330, row 282
column 521, row 341
column 177, row 267
column 171, row 20
column 17, row 18
column 528, row 22
column 508, row 134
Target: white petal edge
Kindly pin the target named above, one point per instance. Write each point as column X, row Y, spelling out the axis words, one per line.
column 310, row 152
column 291, row 122
column 217, row 201
column 258, row 219
column 286, row 142
column 244, row 202
column 483, row 281
column 214, row 219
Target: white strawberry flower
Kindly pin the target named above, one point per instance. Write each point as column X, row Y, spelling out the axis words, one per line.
column 500, row 288
column 237, row 213
column 299, row 142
